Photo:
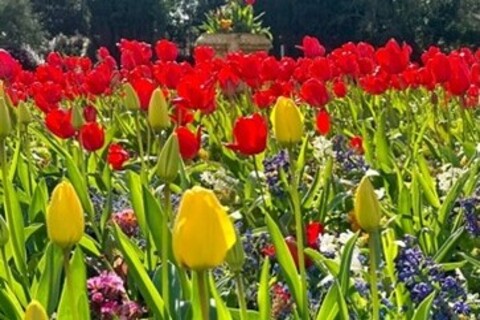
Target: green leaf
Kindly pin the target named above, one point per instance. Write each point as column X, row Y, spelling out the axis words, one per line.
column 263, row 297
column 423, row 310
column 222, row 310
column 155, row 219
column 447, row 245
column 10, row 307
column 470, row 259
column 16, row 226
column 89, row 244
column 344, row 275
column 72, row 296
column 383, row 153
column 140, row 275
column 136, row 197
column 47, row 290
column 79, row 183
column 286, row 262
column 39, row 200
column 329, row 308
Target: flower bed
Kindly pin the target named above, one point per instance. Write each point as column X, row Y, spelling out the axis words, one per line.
column 336, row 185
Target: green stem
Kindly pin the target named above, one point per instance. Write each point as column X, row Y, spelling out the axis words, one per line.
column 28, row 153
column 7, row 269
column 241, row 297
column 203, row 293
column 257, row 174
column 295, row 198
column 373, row 244
column 68, row 283
column 140, row 148
column 165, row 245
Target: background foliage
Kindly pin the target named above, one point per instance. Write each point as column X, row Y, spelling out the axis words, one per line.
column 447, row 23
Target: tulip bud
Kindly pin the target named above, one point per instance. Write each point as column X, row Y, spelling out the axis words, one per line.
column 169, row 159
column 158, row 117
column 65, row 222
column 77, row 117
column 23, row 114
column 203, row 232
column 287, row 121
column 366, row 206
column 35, row 311
column 131, row 100
column 236, row 255
column 5, row 120
column 4, row 234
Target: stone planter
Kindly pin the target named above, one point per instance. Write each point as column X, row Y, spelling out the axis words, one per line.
column 230, row 42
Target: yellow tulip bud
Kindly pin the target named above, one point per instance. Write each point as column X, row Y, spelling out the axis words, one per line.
column 158, row 117
column 367, row 207
column 131, row 100
column 287, row 121
column 203, row 232
column 4, row 234
column 23, row 114
column 65, row 222
column 169, row 159
column 5, row 120
column 35, row 311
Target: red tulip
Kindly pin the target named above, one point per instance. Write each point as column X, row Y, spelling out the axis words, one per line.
column 92, row 136
column 98, row 80
column 197, row 93
column 314, row 93
column 323, row 122
column 134, row 53
column 311, row 47
column 189, row 142
column 144, row 88
column 250, row 135
column 356, row 143
column 392, row 58
column 459, row 81
column 340, row 89
column 9, row 67
column 439, row 66
column 203, row 54
column 90, row 114
column 313, row 230
column 264, row 99
column 166, row 50
column 47, row 95
column 59, row 122
column 117, row 156
column 250, row 2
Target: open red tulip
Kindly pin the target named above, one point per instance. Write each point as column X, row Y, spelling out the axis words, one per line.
column 250, row 135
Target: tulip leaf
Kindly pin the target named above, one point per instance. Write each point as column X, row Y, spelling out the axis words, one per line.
column 136, row 197
column 344, row 275
column 140, row 275
column 38, row 201
column 263, row 297
column 10, row 307
column 79, row 183
column 423, row 310
column 448, row 245
column 220, row 306
column 47, row 291
column 329, row 308
column 16, row 226
column 382, row 149
column 74, row 288
column 286, row 262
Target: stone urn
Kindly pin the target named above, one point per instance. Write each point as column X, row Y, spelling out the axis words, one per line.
column 224, row 43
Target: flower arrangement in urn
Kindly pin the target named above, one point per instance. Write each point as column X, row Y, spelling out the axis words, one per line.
column 234, row 26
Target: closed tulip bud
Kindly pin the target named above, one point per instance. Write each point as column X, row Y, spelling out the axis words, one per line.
column 5, row 120
column 287, row 121
column 203, row 232
column 169, row 159
column 23, row 114
column 65, row 221
column 158, row 117
column 366, row 206
column 35, row 311
column 77, row 117
column 4, row 234
column 236, row 255
column 131, row 100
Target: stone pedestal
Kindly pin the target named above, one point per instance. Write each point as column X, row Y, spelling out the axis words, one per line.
column 224, row 43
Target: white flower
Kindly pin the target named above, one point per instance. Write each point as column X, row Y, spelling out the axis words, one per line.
column 448, row 177
column 322, row 148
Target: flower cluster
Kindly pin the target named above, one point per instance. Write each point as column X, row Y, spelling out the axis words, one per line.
column 348, row 159
column 109, row 300
column 469, row 207
column 274, row 167
column 422, row 276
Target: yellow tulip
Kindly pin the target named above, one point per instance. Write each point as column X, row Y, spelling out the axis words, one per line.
column 287, row 121
column 366, row 206
column 203, row 233
column 65, row 222
column 35, row 311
